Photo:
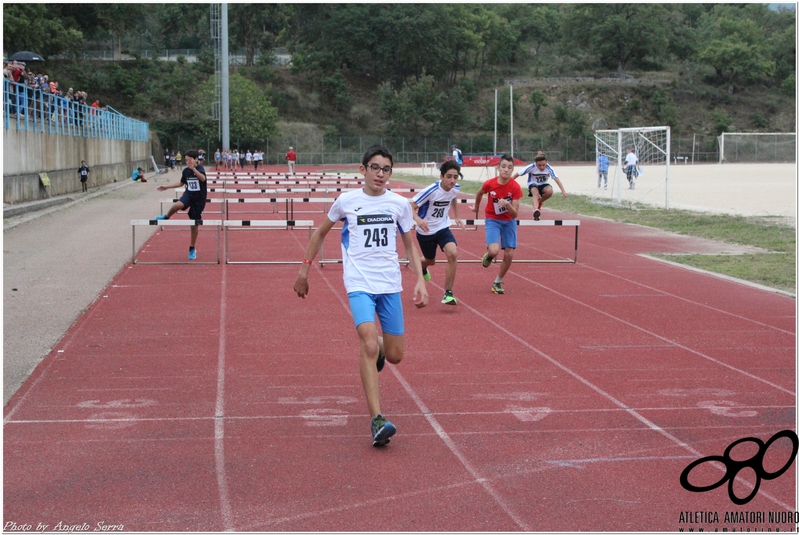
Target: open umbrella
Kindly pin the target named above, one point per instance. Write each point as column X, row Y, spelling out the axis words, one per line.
column 25, row 56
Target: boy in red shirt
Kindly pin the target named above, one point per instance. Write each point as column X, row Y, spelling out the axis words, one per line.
column 504, row 195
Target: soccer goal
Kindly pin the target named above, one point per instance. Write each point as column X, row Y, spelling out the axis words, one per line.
column 736, row 147
column 652, row 146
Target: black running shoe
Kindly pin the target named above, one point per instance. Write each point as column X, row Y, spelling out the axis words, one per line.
column 382, row 431
column 381, row 361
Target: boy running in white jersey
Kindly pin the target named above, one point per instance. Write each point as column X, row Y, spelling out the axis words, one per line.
column 431, row 213
column 538, row 187
column 372, row 277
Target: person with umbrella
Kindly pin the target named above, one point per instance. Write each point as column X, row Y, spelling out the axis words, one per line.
column 26, row 56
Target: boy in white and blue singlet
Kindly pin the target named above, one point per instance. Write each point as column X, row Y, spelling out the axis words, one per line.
column 372, row 218
column 431, row 213
column 538, row 187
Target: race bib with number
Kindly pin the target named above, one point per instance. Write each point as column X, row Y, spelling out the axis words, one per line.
column 375, row 231
column 500, row 209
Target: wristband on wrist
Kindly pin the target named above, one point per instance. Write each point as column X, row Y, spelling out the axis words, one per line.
column 306, row 261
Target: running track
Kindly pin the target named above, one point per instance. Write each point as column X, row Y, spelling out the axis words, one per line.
column 211, row 398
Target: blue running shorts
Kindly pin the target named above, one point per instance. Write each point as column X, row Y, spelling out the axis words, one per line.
column 501, row 231
column 387, row 306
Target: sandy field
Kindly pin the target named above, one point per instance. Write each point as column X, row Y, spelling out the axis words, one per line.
column 743, row 189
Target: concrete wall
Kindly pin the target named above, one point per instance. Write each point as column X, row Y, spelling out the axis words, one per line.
column 26, row 154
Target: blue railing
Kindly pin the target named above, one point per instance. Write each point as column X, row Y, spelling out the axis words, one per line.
column 36, row 111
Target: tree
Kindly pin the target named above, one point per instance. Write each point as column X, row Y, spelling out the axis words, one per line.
column 537, row 99
column 256, row 27
column 38, row 28
column 737, row 49
column 408, row 109
column 252, row 116
column 118, row 19
column 619, row 34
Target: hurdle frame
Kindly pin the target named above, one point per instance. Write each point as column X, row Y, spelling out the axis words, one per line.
column 289, row 201
column 265, row 224
column 176, row 222
column 530, row 223
column 474, row 223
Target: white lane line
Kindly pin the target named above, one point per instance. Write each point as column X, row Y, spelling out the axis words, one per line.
column 650, row 333
column 632, row 412
column 219, row 415
column 484, row 482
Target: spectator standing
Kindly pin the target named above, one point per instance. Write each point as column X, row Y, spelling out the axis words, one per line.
column 179, row 159
column 217, row 159
column 631, row 167
column 457, row 155
column 172, row 159
column 70, row 96
column 80, row 98
column 602, row 164
column 291, row 158
column 83, row 173
column 167, row 159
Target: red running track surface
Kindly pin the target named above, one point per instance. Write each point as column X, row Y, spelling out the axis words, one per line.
column 210, row 398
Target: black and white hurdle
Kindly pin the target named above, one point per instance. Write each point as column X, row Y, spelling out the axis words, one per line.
column 177, row 223
column 528, row 223
column 481, row 222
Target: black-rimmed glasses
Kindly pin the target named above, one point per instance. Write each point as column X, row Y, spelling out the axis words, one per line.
column 376, row 168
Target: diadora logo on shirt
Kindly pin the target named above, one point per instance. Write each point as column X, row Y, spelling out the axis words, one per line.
column 441, row 203
column 375, row 219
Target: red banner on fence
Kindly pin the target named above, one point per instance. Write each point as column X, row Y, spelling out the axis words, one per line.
column 484, row 161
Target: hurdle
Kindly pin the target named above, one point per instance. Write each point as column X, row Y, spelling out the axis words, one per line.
column 289, row 204
column 268, row 182
column 176, row 222
column 481, row 222
column 301, row 190
column 527, row 223
column 265, row 224
column 173, row 201
column 428, row 166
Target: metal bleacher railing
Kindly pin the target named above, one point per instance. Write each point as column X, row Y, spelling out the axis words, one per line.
column 34, row 110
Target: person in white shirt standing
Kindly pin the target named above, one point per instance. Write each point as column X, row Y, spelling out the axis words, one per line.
column 631, row 167
column 372, row 218
column 431, row 213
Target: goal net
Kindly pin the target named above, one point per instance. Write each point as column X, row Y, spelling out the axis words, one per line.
column 737, row 147
column 651, row 145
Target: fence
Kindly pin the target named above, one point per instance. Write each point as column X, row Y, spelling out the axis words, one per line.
column 347, row 150
column 37, row 111
column 277, row 57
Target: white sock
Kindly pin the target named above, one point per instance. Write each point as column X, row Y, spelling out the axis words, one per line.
column 498, row 279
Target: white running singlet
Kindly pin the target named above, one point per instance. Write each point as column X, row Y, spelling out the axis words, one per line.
column 433, row 203
column 536, row 177
column 369, row 239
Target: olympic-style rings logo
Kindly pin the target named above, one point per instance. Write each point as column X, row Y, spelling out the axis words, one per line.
column 733, row 467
